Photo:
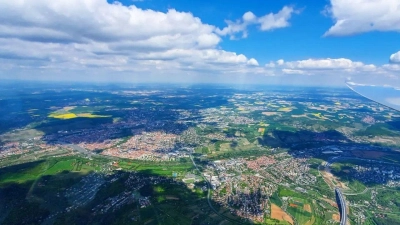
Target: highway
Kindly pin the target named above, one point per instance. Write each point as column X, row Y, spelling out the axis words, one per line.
column 339, row 195
column 342, row 206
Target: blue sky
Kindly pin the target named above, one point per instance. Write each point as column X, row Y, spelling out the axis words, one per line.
column 309, row 42
column 302, row 39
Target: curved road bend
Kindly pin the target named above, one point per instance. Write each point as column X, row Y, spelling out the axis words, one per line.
column 343, row 208
column 339, row 196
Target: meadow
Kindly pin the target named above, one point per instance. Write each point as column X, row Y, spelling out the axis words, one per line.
column 38, row 187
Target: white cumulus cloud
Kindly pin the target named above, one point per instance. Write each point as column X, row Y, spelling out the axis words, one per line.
column 96, row 34
column 334, row 71
column 279, row 20
column 267, row 22
column 328, row 64
column 395, row 57
column 280, row 62
column 392, row 67
column 360, row 16
column 252, row 62
column 83, row 21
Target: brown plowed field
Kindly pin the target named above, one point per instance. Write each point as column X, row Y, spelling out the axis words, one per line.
column 279, row 214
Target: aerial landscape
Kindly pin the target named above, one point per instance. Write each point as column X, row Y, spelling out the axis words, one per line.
column 158, row 154
column 171, row 112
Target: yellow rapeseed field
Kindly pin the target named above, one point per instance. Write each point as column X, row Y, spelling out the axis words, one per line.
column 285, row 109
column 68, row 115
column 64, row 116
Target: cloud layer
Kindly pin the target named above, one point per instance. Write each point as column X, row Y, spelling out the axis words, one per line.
column 340, row 68
column 360, row 16
column 93, row 37
column 83, row 21
column 82, row 34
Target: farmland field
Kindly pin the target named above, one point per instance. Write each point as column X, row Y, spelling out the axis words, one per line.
column 279, row 214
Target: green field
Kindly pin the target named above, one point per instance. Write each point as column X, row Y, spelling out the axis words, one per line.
column 23, row 173
column 34, row 170
column 289, row 193
column 269, row 221
column 296, row 209
column 37, row 187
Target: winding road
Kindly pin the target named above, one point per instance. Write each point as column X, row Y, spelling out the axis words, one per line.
column 343, row 207
column 339, row 195
column 338, row 192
